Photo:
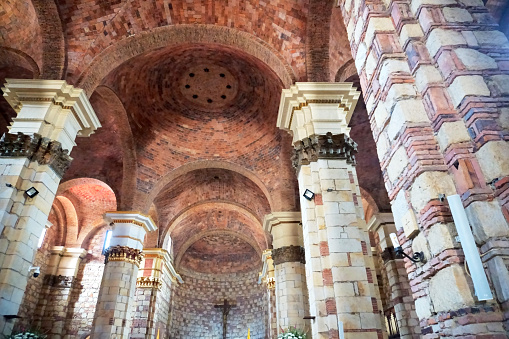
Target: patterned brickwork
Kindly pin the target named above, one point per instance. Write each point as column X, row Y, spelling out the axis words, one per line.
column 281, row 25
column 426, row 116
column 19, row 28
column 193, row 314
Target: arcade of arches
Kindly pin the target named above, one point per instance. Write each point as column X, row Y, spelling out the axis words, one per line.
column 174, row 146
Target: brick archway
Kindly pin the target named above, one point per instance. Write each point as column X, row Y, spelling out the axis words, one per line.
column 143, row 42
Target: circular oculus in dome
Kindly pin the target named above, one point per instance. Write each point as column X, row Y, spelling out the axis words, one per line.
column 208, row 86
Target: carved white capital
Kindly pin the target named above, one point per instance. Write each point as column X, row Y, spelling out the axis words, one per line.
column 285, row 228
column 51, row 108
column 129, row 228
column 309, row 108
column 161, row 258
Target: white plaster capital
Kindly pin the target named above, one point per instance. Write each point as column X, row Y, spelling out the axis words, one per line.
column 51, row 108
column 379, row 219
column 308, row 108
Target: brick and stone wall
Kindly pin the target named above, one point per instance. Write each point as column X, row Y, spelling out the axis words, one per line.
column 193, row 314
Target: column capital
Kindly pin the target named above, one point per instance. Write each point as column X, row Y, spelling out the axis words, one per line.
column 276, row 218
column 328, row 146
column 284, row 227
column 309, row 108
column 288, row 254
column 52, row 108
column 162, row 255
column 129, row 228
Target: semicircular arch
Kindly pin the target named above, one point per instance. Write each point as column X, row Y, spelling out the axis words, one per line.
column 165, row 36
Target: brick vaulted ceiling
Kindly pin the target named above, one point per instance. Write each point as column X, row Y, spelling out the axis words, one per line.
column 187, row 93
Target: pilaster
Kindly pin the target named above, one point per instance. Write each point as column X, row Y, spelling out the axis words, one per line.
column 115, row 305
column 153, row 292
column 289, row 268
column 50, row 114
column 340, row 271
column 266, row 277
column 398, row 301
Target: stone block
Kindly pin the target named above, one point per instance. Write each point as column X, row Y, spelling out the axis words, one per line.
column 494, row 159
column 423, row 307
column 411, row 110
column 344, row 245
column 440, row 37
column 475, row 60
column 451, row 133
column 496, row 38
column 398, row 162
column 382, row 146
column 467, row 85
column 428, row 186
column 499, row 85
column 486, row 220
column 377, row 24
column 416, row 4
column 360, row 57
column 409, row 31
column 450, row 289
column 390, row 66
column 426, row 74
column 455, row 14
column 441, row 237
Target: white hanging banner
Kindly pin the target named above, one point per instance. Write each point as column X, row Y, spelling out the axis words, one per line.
column 481, row 286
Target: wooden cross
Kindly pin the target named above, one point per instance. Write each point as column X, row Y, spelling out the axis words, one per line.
column 226, row 309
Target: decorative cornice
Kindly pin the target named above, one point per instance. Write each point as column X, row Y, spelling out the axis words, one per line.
column 36, row 148
column 288, row 254
column 149, row 282
column 123, row 253
column 59, row 281
column 329, row 146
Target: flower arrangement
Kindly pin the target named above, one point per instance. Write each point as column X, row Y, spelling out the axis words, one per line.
column 292, row 332
column 28, row 334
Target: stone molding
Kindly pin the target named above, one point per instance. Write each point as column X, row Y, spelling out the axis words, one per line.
column 36, row 148
column 288, row 254
column 59, row 281
column 329, row 146
column 149, row 282
column 123, row 253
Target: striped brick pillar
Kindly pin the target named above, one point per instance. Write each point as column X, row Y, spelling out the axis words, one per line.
column 153, row 291
column 434, row 78
column 289, row 268
column 35, row 153
column 394, row 280
column 339, row 266
column 115, row 304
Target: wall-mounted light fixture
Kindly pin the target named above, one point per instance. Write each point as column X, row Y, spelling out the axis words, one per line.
column 308, row 195
column 417, row 257
column 31, row 192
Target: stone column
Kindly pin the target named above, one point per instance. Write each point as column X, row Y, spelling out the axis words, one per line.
column 289, row 268
column 339, row 265
column 115, row 304
column 153, row 292
column 64, row 268
column 394, row 278
column 50, row 114
column 266, row 277
column 434, row 78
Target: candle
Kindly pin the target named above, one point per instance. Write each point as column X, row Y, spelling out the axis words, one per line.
column 394, row 240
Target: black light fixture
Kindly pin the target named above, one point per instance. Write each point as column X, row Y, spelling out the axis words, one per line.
column 417, row 256
column 31, row 192
column 308, row 195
